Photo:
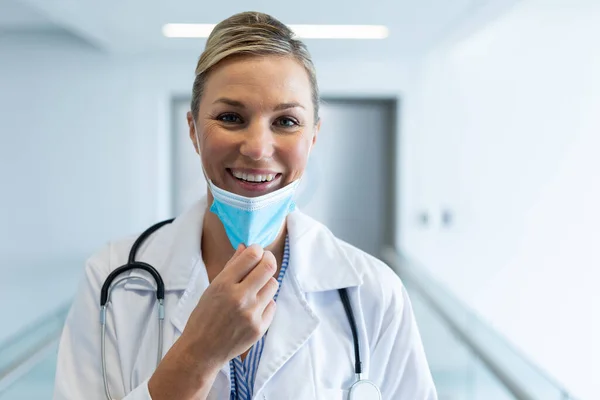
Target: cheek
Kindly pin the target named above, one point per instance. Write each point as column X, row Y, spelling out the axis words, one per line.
column 297, row 155
column 214, row 145
column 209, row 136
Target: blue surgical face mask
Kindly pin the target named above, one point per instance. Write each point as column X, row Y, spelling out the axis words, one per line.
column 253, row 220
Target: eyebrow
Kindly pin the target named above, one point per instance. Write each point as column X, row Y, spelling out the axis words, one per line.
column 230, row 102
column 239, row 104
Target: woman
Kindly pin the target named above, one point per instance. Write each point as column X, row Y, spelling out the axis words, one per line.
column 240, row 261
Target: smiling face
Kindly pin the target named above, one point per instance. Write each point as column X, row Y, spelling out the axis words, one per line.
column 256, row 124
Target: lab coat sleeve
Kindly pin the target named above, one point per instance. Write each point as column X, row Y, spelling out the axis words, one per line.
column 398, row 364
column 78, row 370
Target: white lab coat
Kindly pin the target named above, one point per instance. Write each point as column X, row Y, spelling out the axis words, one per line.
column 308, row 353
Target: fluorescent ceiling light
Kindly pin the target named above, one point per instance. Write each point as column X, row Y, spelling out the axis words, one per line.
column 187, row 30
column 340, row 31
column 302, row 31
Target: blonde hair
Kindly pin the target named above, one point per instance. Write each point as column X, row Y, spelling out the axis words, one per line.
column 255, row 34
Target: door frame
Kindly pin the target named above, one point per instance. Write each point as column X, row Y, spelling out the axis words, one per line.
column 392, row 230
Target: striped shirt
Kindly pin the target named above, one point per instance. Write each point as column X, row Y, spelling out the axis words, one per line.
column 243, row 373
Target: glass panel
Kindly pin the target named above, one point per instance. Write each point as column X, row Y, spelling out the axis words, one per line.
column 458, row 373
column 36, row 336
column 484, row 385
column 27, row 361
column 38, row 383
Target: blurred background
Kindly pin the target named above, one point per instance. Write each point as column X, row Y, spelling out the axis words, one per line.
column 462, row 148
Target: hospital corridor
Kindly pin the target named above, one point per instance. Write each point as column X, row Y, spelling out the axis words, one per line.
column 454, row 146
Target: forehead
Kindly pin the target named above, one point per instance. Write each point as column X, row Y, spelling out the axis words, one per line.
column 262, row 79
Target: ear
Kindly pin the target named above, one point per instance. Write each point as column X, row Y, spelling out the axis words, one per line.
column 316, row 133
column 192, row 131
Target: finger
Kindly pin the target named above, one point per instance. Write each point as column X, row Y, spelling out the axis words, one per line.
column 240, row 249
column 268, row 314
column 267, row 293
column 260, row 275
column 236, row 269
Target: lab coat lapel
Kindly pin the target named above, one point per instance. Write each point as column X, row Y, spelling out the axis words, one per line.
column 187, row 266
column 292, row 326
column 186, row 262
column 317, row 263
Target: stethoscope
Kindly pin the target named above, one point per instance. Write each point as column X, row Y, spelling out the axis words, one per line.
column 362, row 389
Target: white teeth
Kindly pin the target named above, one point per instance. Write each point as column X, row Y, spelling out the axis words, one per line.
column 253, row 178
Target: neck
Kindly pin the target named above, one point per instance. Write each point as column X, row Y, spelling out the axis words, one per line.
column 216, row 247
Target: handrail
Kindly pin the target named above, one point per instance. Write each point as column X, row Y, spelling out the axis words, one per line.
column 33, row 354
column 399, row 264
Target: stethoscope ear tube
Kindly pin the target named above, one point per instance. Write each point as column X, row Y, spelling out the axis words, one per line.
column 132, row 264
column 160, row 286
column 142, row 238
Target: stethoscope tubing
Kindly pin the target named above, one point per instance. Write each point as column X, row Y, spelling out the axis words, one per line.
column 108, row 286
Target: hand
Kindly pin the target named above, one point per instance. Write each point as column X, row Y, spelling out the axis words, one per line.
column 236, row 309
column 233, row 313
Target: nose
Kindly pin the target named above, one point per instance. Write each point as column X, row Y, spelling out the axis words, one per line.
column 258, row 142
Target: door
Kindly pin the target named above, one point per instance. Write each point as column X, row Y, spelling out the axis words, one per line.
column 349, row 182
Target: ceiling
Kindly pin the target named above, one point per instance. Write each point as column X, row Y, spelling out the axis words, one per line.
column 134, row 26
column 17, row 16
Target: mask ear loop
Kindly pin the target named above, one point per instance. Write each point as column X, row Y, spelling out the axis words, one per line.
column 198, row 151
column 309, row 182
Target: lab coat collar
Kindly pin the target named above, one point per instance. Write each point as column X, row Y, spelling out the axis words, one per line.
column 316, row 257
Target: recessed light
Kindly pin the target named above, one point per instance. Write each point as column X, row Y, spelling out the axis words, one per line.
column 302, row 31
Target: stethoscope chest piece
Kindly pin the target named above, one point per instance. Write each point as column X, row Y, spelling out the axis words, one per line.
column 364, row 390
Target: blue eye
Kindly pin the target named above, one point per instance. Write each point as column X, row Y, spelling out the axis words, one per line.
column 286, row 122
column 229, row 118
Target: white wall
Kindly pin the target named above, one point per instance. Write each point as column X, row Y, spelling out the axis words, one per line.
column 503, row 128
column 74, row 141
column 84, row 155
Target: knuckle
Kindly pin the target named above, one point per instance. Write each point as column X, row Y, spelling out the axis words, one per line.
column 273, row 284
column 218, row 286
column 256, row 329
column 254, row 252
column 249, row 319
column 247, row 316
column 269, row 261
column 239, row 302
